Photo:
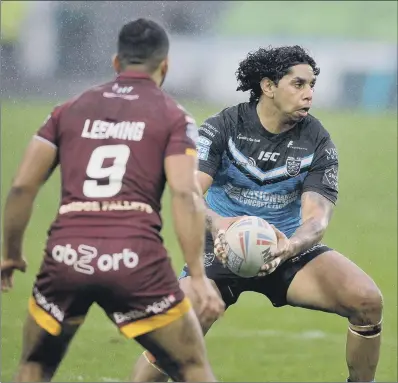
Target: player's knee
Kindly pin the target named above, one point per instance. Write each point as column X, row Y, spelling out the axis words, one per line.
column 193, row 368
column 38, row 363
column 184, row 369
column 366, row 305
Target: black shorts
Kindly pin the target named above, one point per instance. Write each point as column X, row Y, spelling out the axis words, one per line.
column 273, row 286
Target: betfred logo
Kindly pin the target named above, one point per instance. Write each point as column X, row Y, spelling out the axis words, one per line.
column 129, row 316
column 155, row 308
column 158, row 307
column 82, row 259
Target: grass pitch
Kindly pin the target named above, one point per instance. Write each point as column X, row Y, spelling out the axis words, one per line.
column 254, row 341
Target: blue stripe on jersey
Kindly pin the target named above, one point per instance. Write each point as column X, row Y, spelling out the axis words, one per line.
column 258, row 173
column 233, row 194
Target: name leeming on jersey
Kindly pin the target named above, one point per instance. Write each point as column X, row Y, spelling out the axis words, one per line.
column 123, row 130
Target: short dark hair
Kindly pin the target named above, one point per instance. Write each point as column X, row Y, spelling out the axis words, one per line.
column 144, row 42
column 273, row 63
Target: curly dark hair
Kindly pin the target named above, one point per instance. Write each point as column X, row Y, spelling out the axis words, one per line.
column 273, row 63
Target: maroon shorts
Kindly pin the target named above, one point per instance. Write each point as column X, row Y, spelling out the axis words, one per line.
column 131, row 279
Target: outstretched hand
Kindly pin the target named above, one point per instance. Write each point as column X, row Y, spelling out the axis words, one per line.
column 8, row 266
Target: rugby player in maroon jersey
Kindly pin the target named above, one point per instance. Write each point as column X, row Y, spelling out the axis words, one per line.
column 117, row 145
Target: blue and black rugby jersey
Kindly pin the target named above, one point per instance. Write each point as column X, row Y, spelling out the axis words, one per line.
column 259, row 173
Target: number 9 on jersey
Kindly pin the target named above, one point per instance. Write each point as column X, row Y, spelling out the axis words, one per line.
column 114, row 174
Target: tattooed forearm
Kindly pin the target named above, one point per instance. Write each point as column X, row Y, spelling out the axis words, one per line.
column 210, row 217
column 307, row 235
column 209, row 221
column 316, row 214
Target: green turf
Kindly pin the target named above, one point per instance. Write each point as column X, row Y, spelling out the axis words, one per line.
column 254, row 341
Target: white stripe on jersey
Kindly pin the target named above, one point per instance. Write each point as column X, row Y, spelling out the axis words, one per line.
column 46, row 141
column 258, row 173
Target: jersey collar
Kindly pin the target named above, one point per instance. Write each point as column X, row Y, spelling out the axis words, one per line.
column 134, row 75
column 260, row 128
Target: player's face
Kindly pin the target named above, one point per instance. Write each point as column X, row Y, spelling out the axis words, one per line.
column 293, row 95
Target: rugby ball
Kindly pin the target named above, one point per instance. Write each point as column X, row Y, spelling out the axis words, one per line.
column 250, row 241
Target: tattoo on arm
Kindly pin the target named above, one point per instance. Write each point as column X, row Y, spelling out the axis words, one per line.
column 210, row 217
column 316, row 213
column 209, row 221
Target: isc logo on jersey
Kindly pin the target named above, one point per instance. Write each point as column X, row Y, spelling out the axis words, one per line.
column 268, row 156
column 81, row 259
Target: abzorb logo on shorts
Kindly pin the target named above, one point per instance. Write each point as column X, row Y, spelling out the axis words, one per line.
column 82, row 259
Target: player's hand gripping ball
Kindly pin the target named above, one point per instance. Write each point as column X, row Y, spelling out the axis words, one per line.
column 280, row 254
column 249, row 244
column 219, row 228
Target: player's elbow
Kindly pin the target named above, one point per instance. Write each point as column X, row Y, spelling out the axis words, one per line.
column 318, row 226
column 25, row 185
column 19, row 189
column 189, row 196
column 185, row 193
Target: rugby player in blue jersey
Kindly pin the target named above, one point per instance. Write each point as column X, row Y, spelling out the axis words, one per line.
column 270, row 158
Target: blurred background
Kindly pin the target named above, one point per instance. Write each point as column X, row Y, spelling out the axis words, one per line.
column 354, row 42
column 51, row 50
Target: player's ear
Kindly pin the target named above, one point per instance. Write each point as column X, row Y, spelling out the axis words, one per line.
column 164, row 67
column 267, row 87
column 116, row 63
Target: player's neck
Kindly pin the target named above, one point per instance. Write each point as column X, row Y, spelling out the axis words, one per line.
column 155, row 76
column 271, row 119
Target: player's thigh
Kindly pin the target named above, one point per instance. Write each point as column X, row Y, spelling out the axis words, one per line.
column 331, row 282
column 178, row 345
column 143, row 298
column 58, row 304
column 61, row 294
column 44, row 350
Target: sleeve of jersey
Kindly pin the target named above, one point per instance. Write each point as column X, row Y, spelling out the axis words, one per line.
column 49, row 130
column 323, row 174
column 183, row 137
column 210, row 145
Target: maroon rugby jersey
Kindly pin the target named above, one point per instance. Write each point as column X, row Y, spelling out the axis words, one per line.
column 112, row 141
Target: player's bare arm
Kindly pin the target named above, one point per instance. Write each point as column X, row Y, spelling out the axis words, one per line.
column 316, row 214
column 188, row 208
column 36, row 165
column 215, row 223
column 189, row 220
column 205, row 182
